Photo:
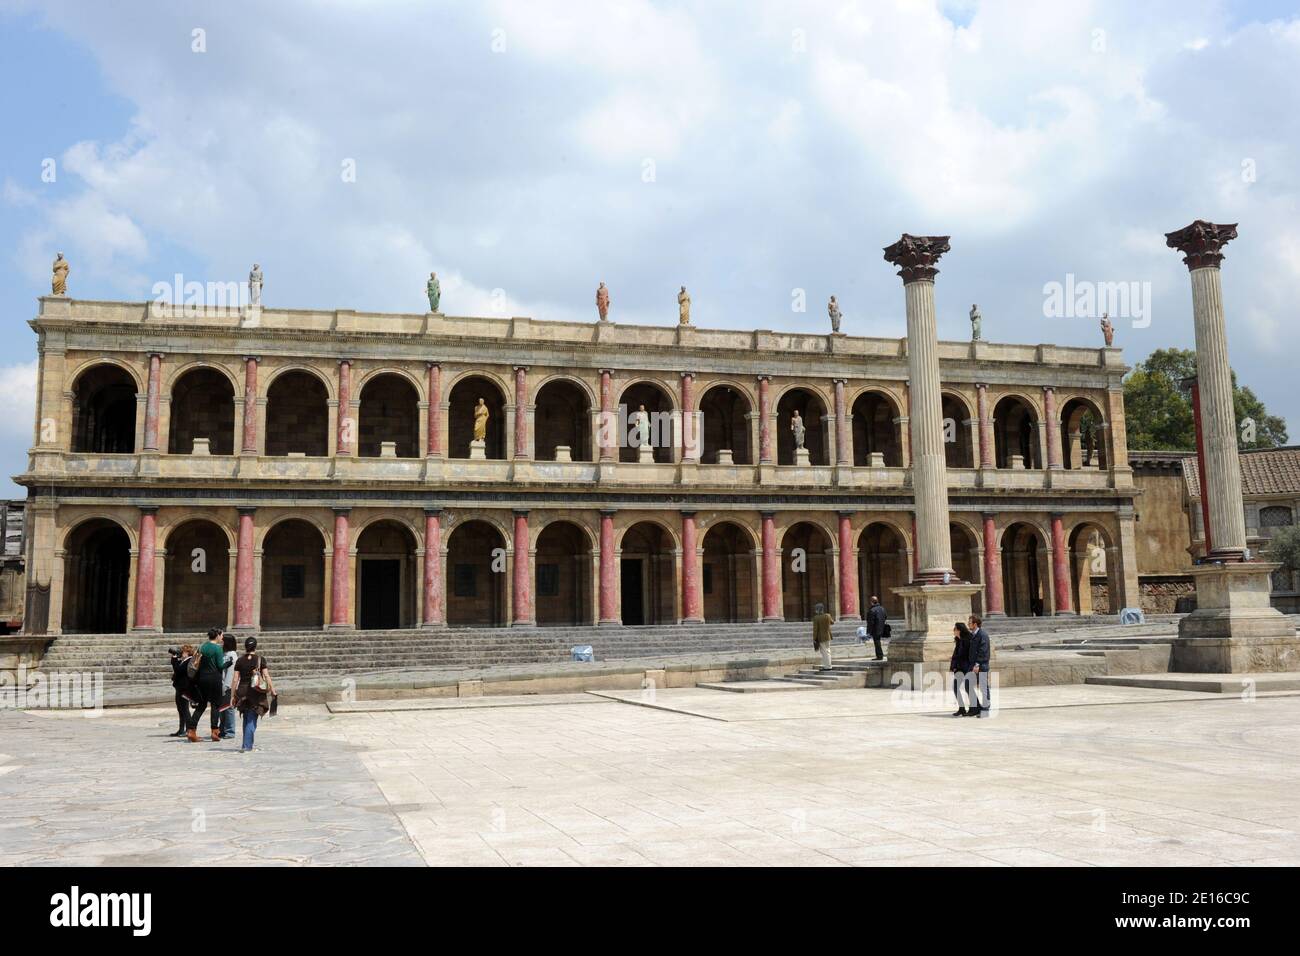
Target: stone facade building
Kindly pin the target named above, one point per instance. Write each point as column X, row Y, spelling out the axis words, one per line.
column 288, row 469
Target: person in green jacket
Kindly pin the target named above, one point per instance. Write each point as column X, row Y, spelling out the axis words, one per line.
column 821, row 623
column 212, row 663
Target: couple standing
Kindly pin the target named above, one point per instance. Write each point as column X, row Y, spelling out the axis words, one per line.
column 970, row 667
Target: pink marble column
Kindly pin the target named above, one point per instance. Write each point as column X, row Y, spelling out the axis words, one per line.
column 848, row 570
column 842, row 432
column 608, row 571
column 1053, row 427
column 692, row 593
column 521, row 411
column 434, row 442
column 992, row 570
column 152, row 400
column 605, row 432
column 433, row 587
column 340, row 578
column 144, row 570
column 690, row 436
column 250, row 406
column 345, row 431
column 772, row 610
column 764, row 420
column 522, row 592
column 245, row 574
column 1060, row 567
column 985, row 426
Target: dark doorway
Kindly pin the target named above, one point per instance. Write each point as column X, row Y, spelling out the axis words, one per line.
column 381, row 594
column 103, row 412
column 631, row 585
column 97, row 568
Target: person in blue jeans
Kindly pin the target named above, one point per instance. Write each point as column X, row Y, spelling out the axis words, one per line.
column 252, row 690
column 228, row 645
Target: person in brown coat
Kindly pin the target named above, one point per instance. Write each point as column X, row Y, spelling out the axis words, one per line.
column 821, row 623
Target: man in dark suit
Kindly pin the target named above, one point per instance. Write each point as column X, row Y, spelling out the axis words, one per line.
column 981, row 687
column 876, row 624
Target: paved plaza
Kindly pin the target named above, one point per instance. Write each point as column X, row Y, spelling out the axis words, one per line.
column 1060, row 775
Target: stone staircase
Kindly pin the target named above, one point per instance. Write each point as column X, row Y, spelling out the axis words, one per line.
column 849, row 672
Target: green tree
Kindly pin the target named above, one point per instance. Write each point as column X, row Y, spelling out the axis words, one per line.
column 1158, row 408
column 1284, row 547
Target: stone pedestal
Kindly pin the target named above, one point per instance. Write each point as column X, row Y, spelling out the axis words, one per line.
column 1016, row 462
column 877, row 459
column 1234, row 629
column 388, row 449
column 202, row 447
column 478, row 450
column 801, row 458
column 930, row 610
column 724, row 457
column 563, row 453
column 645, row 455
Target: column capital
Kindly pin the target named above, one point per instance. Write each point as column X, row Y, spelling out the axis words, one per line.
column 840, row 381
column 154, row 353
column 688, row 514
column 764, row 377
column 1201, row 242
column 341, row 512
column 253, row 358
column 917, row 256
column 989, row 515
column 345, row 361
column 846, row 514
column 608, row 512
column 767, row 514
column 687, row 374
column 148, row 509
column 246, row 510
column 606, row 371
column 429, row 364
column 432, row 511
column 1048, row 388
column 520, row 368
column 519, row 512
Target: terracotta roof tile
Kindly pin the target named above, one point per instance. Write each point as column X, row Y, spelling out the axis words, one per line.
column 1272, row 471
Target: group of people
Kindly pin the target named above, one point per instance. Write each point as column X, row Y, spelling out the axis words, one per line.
column 214, row 677
column 876, row 627
column 969, row 666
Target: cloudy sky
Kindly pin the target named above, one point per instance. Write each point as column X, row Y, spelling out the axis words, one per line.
column 527, row 150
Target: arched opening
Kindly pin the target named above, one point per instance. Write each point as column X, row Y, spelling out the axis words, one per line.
column 562, row 419
column 297, row 416
column 882, row 564
column 812, row 412
column 203, row 406
column 1083, row 435
column 103, row 411
column 1094, row 580
column 725, row 422
column 647, row 583
column 293, row 577
column 388, row 576
column 956, row 438
column 464, row 397
column 807, row 571
column 1026, row 578
column 196, row 582
column 476, row 576
column 966, row 559
column 96, row 574
column 390, row 412
column 728, row 573
column 1015, row 435
column 876, row 430
column 658, row 406
column 562, row 589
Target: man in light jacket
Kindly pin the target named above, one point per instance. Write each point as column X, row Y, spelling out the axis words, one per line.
column 981, row 688
column 821, row 623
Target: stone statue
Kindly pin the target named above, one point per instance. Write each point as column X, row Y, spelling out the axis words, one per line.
column 602, row 302
column 797, row 429
column 640, row 427
column 434, row 290
column 976, row 323
column 683, row 307
column 59, row 281
column 833, row 309
column 1107, row 330
column 481, row 416
column 255, row 285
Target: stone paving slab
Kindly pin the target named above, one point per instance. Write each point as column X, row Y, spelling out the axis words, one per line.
column 459, row 703
column 1206, row 683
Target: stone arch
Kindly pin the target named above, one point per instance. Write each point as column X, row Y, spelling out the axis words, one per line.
column 1092, row 556
column 1015, row 433
column 463, row 396
column 196, row 578
column 1026, row 569
column 387, row 575
column 964, row 542
column 96, row 577
column 1083, row 435
column 674, row 540
column 202, row 406
column 562, row 570
column 809, row 544
column 278, row 373
column 476, row 574
column 297, row 414
column 883, row 563
column 661, row 406
column 562, row 418
column 876, row 429
column 728, row 573
column 104, row 398
column 388, row 411
column 293, row 575
column 724, row 409
column 812, row 407
column 960, row 452
column 647, row 551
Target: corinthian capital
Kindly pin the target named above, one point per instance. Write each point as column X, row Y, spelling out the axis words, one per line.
column 1201, row 241
column 916, row 256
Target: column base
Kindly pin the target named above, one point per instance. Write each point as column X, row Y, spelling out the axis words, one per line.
column 773, row 620
column 850, row 618
column 340, row 627
column 691, row 620
column 150, row 629
column 523, row 623
column 1235, row 629
column 612, row 622
column 930, row 611
column 433, row 625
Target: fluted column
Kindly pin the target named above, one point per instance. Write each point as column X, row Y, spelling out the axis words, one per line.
column 608, row 420
column 249, row 446
column 608, row 571
column 521, row 411
column 772, row 610
column 245, row 572
column 346, row 428
column 764, row 420
column 153, row 400
column 1053, row 427
column 690, row 433
column 1060, row 568
column 1201, row 243
column 843, row 450
column 848, row 570
column 434, row 589
column 434, row 436
column 144, row 570
column 692, row 593
column 992, row 570
column 340, row 575
column 522, row 592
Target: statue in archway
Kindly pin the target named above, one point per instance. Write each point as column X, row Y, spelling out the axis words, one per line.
column 640, row 422
column 59, row 280
column 797, row 429
column 481, row 416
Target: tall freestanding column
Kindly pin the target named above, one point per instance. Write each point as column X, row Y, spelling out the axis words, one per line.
column 434, row 591
column 772, row 609
column 245, row 573
column 692, row 593
column 522, row 592
column 340, row 576
column 608, row 571
column 1234, row 627
column 848, row 570
column 144, row 571
column 936, row 598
